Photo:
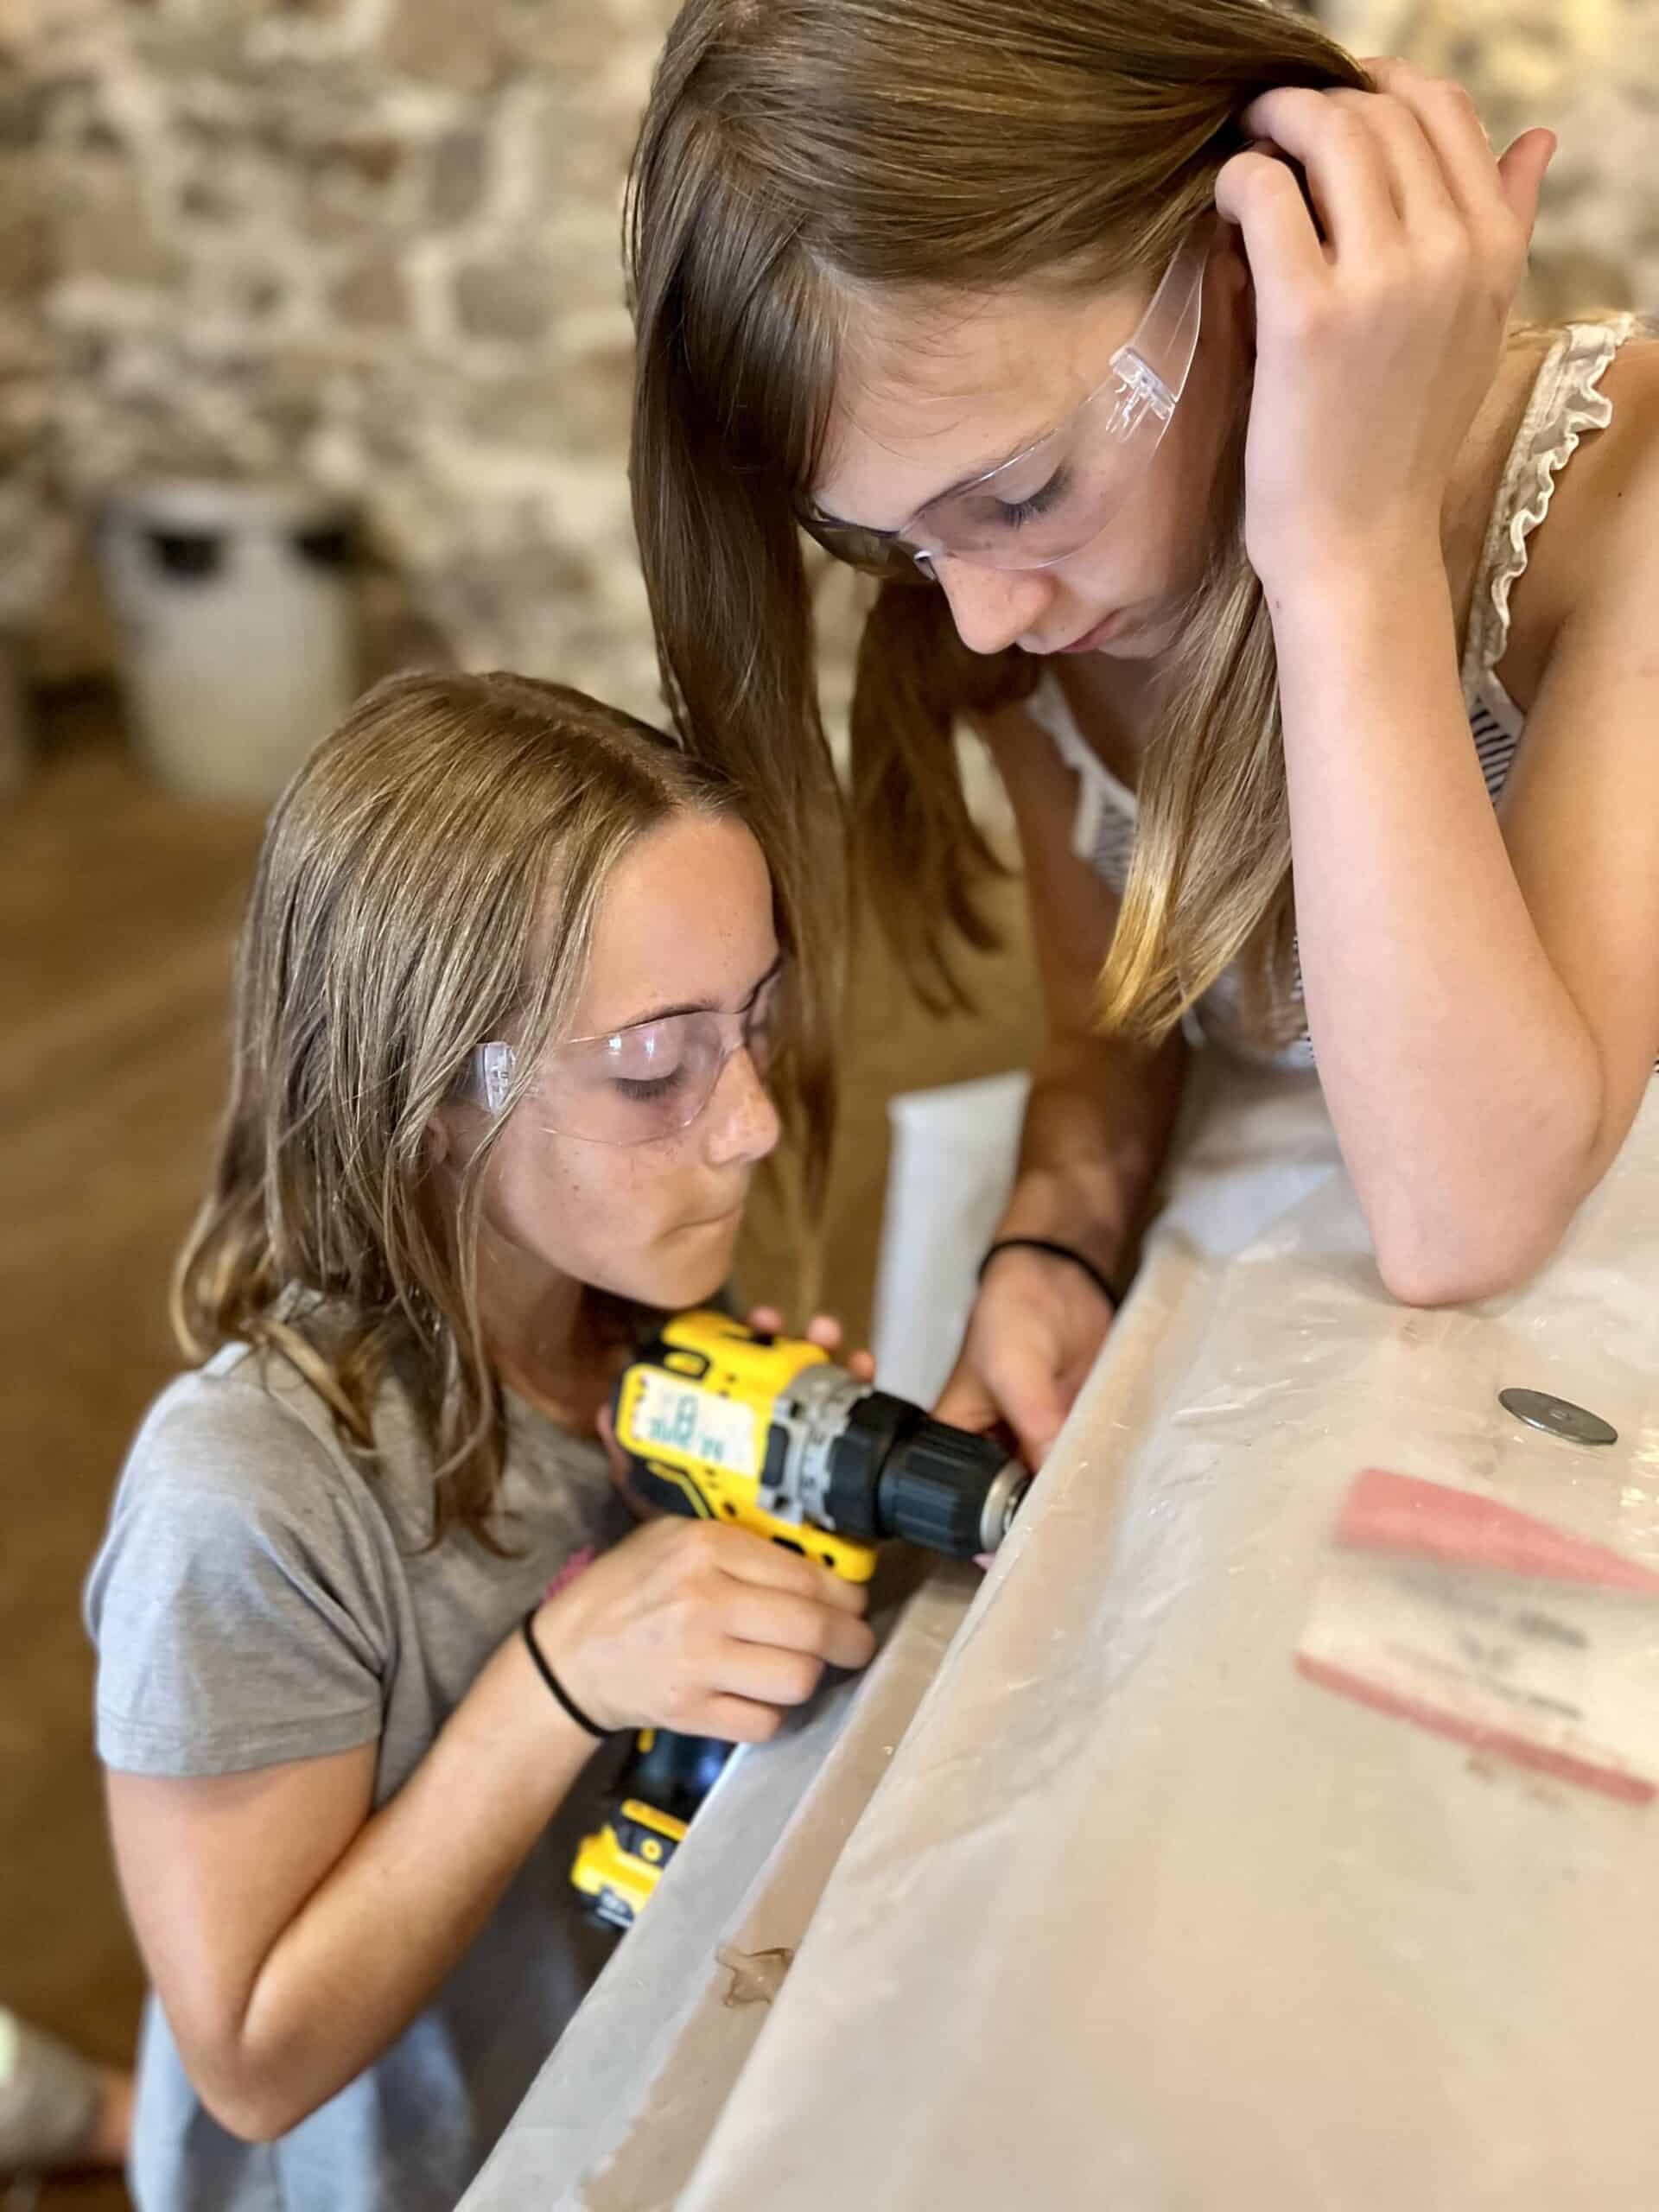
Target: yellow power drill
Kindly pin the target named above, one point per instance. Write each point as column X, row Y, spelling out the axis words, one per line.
column 724, row 1423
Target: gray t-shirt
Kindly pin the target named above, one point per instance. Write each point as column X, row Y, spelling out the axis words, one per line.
column 260, row 1596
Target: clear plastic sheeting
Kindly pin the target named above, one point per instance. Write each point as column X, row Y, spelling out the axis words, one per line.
column 1145, row 1915
column 619, row 2116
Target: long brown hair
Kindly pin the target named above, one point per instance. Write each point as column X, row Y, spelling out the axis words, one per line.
column 398, row 920
column 795, row 151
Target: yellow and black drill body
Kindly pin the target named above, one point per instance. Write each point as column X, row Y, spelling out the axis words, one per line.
column 724, row 1423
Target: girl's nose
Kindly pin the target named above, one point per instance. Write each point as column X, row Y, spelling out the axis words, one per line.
column 993, row 608
column 742, row 1121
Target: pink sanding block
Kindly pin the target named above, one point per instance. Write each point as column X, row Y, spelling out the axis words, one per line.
column 1450, row 1609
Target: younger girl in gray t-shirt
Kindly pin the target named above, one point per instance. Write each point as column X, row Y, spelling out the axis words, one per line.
column 509, row 987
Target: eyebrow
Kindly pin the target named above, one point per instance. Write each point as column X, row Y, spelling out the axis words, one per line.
column 694, row 1006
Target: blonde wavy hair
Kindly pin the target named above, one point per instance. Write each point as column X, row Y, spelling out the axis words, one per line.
column 398, row 919
column 796, row 154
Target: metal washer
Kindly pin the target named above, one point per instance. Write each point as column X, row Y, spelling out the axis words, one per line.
column 1557, row 1417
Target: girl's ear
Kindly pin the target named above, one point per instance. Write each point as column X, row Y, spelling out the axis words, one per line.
column 437, row 1143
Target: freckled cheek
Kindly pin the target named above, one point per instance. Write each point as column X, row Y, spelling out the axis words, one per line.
column 1154, row 544
column 594, row 1198
column 580, row 1207
column 621, row 1224
column 1175, row 508
column 1133, row 560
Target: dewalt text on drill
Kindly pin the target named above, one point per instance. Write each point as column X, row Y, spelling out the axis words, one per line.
column 724, row 1423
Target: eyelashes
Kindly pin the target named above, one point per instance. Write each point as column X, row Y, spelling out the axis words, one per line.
column 638, row 1090
column 1042, row 501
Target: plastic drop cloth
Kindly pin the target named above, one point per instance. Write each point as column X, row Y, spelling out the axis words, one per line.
column 1138, row 1917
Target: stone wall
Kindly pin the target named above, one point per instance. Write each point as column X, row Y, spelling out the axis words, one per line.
column 374, row 243
column 1590, row 69
column 370, row 242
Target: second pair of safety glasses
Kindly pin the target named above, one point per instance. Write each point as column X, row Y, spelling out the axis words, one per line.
column 638, row 1084
column 1055, row 496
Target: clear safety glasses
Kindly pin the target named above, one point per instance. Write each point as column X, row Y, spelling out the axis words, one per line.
column 638, row 1084
column 1057, row 495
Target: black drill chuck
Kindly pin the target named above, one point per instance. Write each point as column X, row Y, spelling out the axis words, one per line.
column 895, row 1471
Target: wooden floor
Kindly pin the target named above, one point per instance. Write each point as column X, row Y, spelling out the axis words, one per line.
column 118, row 909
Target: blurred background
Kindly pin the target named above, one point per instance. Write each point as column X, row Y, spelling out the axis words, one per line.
column 313, row 362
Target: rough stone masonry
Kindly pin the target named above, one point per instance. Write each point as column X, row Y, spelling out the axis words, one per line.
column 374, row 243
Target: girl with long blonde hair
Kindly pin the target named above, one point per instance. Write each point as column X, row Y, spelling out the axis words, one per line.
column 1157, row 362
column 511, row 1008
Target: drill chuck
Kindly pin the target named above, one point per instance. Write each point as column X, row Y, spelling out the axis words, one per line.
column 895, row 1471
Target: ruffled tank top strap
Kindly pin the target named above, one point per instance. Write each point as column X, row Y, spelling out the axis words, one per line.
column 1566, row 400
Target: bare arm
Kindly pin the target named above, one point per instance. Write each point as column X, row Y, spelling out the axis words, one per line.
column 1100, row 1111
column 1484, row 996
column 1095, row 1131
column 292, row 1934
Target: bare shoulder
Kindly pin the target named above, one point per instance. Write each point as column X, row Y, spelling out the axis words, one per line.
column 1599, row 544
column 1620, row 464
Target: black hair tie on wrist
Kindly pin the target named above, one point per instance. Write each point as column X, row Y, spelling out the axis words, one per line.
column 554, row 1683
column 1107, row 1289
